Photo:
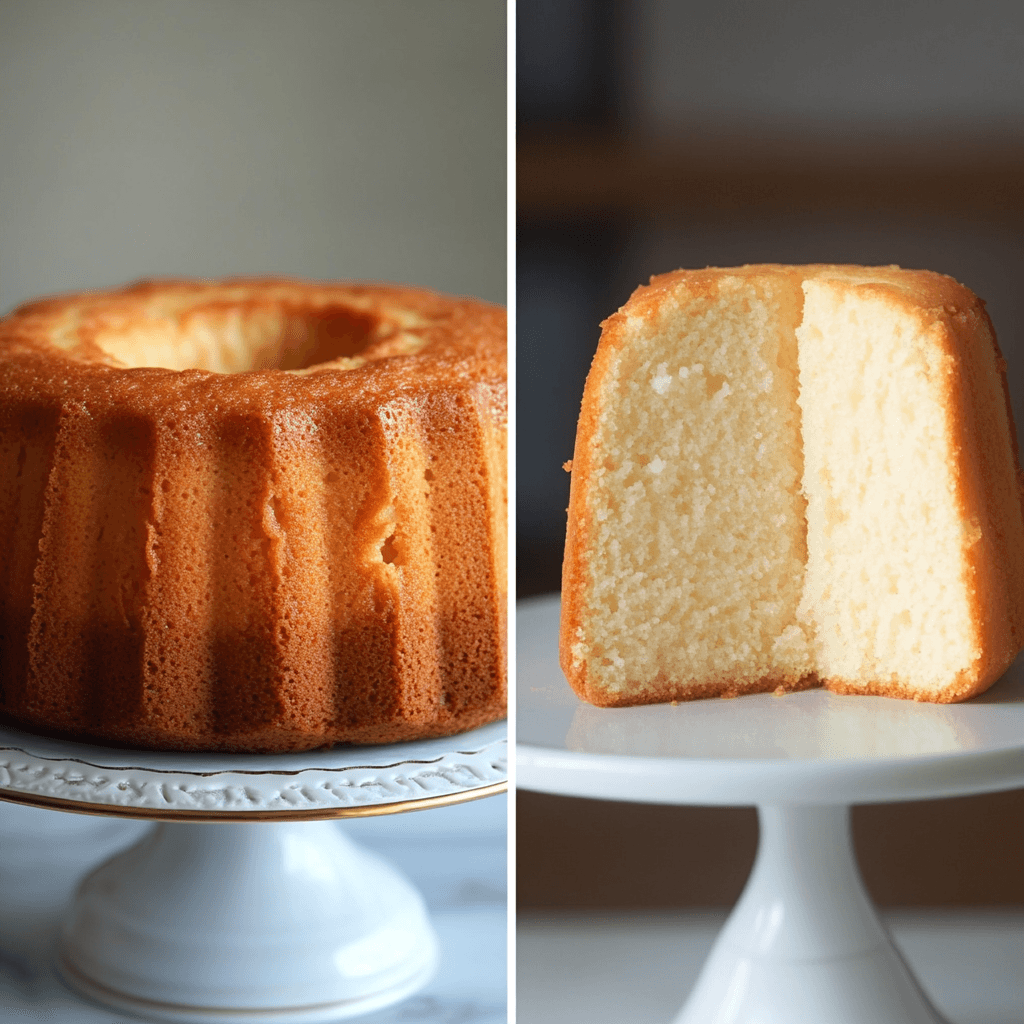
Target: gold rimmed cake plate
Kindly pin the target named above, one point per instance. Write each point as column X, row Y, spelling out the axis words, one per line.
column 345, row 781
column 246, row 903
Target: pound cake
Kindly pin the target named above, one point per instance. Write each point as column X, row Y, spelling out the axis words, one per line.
column 794, row 476
column 252, row 515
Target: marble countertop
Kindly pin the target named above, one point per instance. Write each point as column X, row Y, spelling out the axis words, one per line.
column 638, row 967
column 456, row 856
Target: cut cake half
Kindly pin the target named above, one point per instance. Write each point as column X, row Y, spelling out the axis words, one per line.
column 793, row 476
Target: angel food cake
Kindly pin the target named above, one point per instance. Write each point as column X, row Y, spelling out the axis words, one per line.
column 794, row 476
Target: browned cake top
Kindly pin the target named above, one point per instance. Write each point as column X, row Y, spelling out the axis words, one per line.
column 271, row 342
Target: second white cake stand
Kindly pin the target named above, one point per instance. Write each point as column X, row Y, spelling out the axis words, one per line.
column 804, row 943
column 248, row 903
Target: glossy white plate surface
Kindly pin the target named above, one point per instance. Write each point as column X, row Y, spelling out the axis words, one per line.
column 807, row 747
column 345, row 780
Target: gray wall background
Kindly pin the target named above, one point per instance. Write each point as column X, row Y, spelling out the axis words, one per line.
column 347, row 139
column 919, row 67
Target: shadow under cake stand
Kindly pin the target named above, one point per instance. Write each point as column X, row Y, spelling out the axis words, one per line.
column 247, row 902
column 804, row 942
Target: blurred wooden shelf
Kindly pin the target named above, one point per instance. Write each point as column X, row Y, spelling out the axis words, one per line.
column 569, row 175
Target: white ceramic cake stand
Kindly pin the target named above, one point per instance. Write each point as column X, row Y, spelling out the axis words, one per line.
column 247, row 903
column 804, row 942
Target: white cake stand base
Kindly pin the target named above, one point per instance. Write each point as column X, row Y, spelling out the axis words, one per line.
column 290, row 922
column 804, row 942
column 246, row 903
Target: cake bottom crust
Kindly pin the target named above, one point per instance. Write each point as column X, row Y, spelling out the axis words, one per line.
column 664, row 691
column 268, row 740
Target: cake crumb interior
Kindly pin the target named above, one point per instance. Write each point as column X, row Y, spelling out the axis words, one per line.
column 883, row 591
column 775, row 505
column 696, row 568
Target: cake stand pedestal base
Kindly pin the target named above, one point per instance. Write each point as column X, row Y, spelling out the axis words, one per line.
column 278, row 922
column 248, row 902
column 804, row 942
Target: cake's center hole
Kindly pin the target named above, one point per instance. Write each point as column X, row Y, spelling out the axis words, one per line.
column 230, row 338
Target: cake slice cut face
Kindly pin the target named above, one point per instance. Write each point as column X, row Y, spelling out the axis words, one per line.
column 787, row 476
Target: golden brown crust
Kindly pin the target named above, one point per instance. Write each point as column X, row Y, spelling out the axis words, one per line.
column 579, row 525
column 990, row 494
column 64, row 333
column 276, row 559
column 979, row 420
column 667, row 691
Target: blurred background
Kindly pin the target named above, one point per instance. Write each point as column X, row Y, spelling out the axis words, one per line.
column 313, row 138
column 655, row 135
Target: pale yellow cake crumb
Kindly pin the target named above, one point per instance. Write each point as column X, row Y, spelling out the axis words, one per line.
column 788, row 476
